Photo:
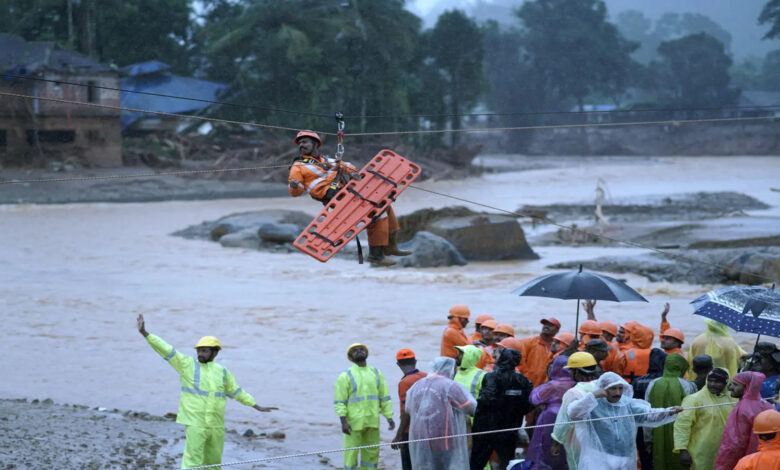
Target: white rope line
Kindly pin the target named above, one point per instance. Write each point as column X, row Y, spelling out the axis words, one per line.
column 411, row 441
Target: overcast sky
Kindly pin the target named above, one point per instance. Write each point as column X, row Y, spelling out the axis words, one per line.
column 738, row 17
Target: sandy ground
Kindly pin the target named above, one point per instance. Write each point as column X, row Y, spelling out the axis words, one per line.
column 73, row 277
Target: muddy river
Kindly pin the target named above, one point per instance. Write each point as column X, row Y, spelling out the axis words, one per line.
column 74, row 277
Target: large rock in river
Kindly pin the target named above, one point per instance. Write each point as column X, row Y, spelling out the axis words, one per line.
column 429, row 251
column 477, row 236
column 273, row 225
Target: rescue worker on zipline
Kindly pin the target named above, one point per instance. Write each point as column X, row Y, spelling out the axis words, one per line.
column 360, row 395
column 322, row 177
column 204, row 388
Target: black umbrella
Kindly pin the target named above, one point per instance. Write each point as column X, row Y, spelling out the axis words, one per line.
column 579, row 285
column 751, row 309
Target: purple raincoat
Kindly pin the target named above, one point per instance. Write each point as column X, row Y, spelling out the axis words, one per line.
column 549, row 394
column 738, row 438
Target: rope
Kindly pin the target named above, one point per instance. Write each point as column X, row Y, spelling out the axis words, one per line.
column 139, row 175
column 370, row 116
column 593, row 234
column 674, row 122
column 411, row 441
column 433, row 131
column 158, row 113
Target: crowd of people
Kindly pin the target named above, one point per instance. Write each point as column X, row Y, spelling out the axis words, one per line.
column 603, row 398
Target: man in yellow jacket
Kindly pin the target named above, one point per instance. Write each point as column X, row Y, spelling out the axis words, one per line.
column 360, row 395
column 205, row 386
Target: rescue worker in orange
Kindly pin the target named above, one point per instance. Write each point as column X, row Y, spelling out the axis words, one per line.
column 561, row 341
column 607, row 331
column 767, row 427
column 487, row 344
column 536, row 353
column 635, row 360
column 476, row 337
column 407, row 362
column 672, row 339
column 589, row 330
column 322, row 177
column 453, row 334
column 503, row 330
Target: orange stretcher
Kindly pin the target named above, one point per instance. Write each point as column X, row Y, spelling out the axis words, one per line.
column 357, row 204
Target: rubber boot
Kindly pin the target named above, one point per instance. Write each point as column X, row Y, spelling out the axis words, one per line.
column 376, row 256
column 392, row 247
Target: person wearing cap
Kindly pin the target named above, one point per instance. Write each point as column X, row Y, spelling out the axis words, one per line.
column 737, row 440
column 608, row 331
column 322, row 177
column 561, row 341
column 205, row 386
column 584, row 371
column 589, row 330
column 503, row 330
column 536, row 351
column 407, row 362
column 453, row 335
column 599, row 349
column 766, row 427
column 698, row 431
column 701, row 365
column 487, row 344
column 476, row 337
column 359, row 397
column 672, row 339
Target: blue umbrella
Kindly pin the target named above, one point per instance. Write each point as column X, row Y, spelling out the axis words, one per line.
column 750, row 309
column 579, row 285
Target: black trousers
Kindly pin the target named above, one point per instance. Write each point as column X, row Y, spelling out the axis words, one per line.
column 406, row 458
column 504, row 444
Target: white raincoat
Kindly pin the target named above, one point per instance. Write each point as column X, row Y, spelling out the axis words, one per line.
column 438, row 406
column 610, row 444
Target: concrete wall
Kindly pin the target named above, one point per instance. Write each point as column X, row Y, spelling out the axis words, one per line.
column 90, row 134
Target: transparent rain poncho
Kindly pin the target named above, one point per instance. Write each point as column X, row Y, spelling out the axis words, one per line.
column 438, row 407
column 610, row 444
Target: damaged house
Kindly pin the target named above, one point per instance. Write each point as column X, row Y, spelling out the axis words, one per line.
column 34, row 129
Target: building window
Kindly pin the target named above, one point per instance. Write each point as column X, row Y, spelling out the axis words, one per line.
column 93, row 135
column 50, row 137
column 3, row 138
column 92, row 92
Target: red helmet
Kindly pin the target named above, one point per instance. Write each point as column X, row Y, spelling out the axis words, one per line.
column 311, row 134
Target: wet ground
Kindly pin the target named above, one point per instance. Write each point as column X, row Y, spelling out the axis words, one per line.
column 73, row 278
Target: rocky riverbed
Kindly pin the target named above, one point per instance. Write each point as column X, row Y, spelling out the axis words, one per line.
column 43, row 434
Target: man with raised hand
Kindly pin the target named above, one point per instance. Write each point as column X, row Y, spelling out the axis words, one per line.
column 205, row 386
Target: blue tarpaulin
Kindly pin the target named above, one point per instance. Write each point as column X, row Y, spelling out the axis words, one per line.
column 153, row 77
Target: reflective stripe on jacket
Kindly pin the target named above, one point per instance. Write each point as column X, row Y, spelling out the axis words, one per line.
column 361, row 394
column 315, row 174
column 204, row 387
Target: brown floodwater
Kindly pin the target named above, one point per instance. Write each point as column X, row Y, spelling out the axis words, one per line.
column 73, row 278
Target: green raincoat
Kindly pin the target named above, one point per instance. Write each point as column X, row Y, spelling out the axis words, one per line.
column 204, row 387
column 664, row 392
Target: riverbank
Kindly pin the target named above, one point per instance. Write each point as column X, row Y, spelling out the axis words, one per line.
column 43, row 434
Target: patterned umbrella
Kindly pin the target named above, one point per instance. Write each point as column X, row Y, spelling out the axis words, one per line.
column 751, row 309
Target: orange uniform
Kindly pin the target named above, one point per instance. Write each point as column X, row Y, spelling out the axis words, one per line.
column 768, row 456
column 453, row 336
column 635, row 360
column 536, row 355
column 317, row 174
column 406, row 383
column 610, row 364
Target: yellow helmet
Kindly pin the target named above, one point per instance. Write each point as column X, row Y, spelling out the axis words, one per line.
column 208, row 342
column 579, row 360
column 355, row 345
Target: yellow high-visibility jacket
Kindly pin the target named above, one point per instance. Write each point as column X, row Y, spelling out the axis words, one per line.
column 204, row 387
column 699, row 431
column 361, row 394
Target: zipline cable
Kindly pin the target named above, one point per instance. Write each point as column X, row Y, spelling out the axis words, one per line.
column 673, row 122
column 411, row 441
column 391, row 116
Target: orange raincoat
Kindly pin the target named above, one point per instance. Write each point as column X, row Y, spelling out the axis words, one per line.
column 453, row 336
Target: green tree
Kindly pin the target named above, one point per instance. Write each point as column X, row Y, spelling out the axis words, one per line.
column 770, row 71
column 455, row 46
column 771, row 14
column 118, row 31
column 575, row 49
column 694, row 72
